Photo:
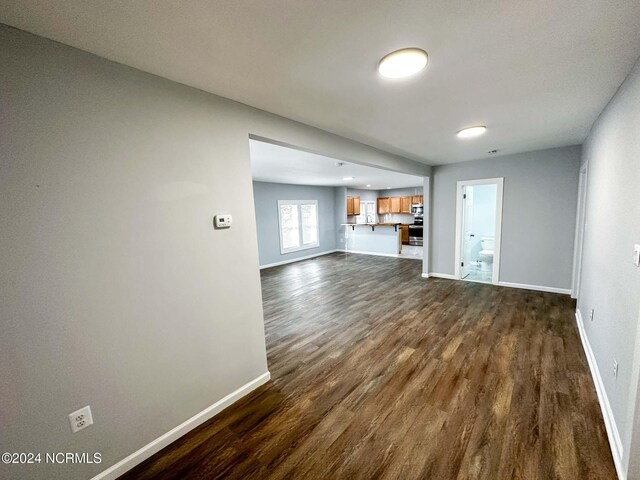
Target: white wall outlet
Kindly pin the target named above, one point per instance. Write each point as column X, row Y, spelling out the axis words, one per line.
column 80, row 419
column 615, row 368
column 636, row 255
column 591, row 315
column 222, row 221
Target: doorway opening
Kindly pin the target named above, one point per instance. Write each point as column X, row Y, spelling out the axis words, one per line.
column 478, row 230
column 308, row 205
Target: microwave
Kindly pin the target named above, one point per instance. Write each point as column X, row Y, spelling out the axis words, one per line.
column 417, row 209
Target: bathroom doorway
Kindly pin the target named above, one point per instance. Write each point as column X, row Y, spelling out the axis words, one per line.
column 478, row 230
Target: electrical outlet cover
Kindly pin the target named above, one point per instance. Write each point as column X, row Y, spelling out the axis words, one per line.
column 80, row 419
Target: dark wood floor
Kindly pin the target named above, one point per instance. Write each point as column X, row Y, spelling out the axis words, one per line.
column 378, row 373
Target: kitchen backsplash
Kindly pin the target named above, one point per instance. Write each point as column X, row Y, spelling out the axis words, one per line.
column 395, row 218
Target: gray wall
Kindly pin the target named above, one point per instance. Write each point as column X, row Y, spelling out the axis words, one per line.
column 116, row 290
column 341, row 215
column 365, row 195
column 539, row 210
column 266, row 196
column 610, row 283
column 400, row 192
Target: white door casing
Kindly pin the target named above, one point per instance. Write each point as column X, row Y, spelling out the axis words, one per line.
column 461, row 186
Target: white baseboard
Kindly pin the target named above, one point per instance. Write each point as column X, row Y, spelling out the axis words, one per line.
column 505, row 284
column 539, row 288
column 360, row 252
column 442, row 275
column 159, row 443
column 610, row 424
column 298, row 259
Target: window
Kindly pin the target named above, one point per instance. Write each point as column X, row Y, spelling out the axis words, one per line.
column 367, row 213
column 298, row 225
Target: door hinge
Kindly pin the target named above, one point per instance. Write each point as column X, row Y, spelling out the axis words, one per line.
column 464, row 196
column 462, row 264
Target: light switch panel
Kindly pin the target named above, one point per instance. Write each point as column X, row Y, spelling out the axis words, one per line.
column 636, row 255
column 222, row 221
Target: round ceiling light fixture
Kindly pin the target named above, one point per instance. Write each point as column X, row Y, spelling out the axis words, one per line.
column 368, row 185
column 349, row 178
column 403, row 63
column 471, row 132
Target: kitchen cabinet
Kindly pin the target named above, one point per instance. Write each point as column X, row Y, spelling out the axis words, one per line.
column 394, row 205
column 416, row 199
column 383, row 205
column 353, row 206
column 404, row 230
column 405, row 205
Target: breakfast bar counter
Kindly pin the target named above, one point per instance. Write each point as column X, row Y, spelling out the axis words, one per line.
column 377, row 238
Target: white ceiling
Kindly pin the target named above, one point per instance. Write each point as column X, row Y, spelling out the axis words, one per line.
column 273, row 163
column 536, row 72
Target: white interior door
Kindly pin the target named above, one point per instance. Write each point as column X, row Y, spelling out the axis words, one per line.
column 467, row 233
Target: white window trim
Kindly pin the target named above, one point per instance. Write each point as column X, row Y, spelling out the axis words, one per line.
column 284, row 251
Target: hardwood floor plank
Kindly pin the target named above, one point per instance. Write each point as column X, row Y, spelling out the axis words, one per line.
column 379, row 373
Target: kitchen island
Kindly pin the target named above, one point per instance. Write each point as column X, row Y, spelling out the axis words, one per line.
column 374, row 238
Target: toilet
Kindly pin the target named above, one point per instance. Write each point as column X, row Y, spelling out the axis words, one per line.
column 486, row 254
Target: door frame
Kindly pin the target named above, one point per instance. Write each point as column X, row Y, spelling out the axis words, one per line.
column 499, row 183
column 581, row 226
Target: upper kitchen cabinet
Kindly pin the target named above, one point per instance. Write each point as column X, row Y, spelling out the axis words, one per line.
column 405, row 205
column 416, row 199
column 383, row 205
column 353, row 206
column 394, row 205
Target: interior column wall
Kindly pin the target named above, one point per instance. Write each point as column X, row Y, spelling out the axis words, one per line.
column 117, row 292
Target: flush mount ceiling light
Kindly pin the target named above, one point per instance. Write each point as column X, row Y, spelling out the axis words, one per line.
column 388, row 188
column 471, row 132
column 349, row 178
column 403, row 63
column 368, row 185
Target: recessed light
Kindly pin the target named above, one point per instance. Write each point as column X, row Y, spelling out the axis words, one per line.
column 471, row 132
column 368, row 185
column 403, row 63
column 388, row 188
column 349, row 178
